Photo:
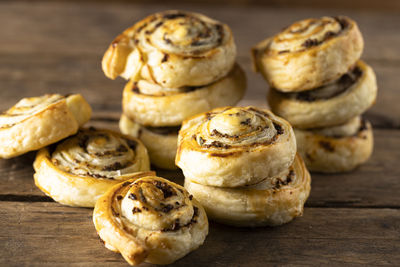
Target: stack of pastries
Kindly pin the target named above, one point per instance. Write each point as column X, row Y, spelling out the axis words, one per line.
column 140, row 215
column 241, row 164
column 177, row 64
column 320, row 85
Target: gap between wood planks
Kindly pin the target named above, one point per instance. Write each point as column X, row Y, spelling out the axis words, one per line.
column 378, row 121
column 104, row 119
column 328, row 204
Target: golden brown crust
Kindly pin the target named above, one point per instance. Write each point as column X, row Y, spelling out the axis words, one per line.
column 173, row 49
column 78, row 170
column 150, row 219
column 331, row 151
column 36, row 122
column 273, row 201
column 329, row 105
column 170, row 109
column 309, row 53
column 234, row 146
column 161, row 142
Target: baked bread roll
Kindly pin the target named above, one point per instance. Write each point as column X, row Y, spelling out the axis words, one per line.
column 150, row 219
column 336, row 149
column 273, row 201
column 161, row 142
column 331, row 104
column 152, row 105
column 77, row 171
column 36, row 122
column 309, row 53
column 172, row 49
column 234, row 146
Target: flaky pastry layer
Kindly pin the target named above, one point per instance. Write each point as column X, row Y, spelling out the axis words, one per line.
column 309, row 53
column 172, row 109
column 234, row 146
column 150, row 219
column 78, row 170
column 36, row 122
column 336, row 149
column 173, row 49
column 271, row 202
column 161, row 143
column 329, row 105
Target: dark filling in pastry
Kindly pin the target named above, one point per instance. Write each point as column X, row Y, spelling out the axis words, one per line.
column 217, row 144
column 83, row 141
column 167, row 191
column 342, row 84
column 288, row 179
column 186, row 89
column 176, row 225
column 197, row 41
column 328, row 35
column 168, row 130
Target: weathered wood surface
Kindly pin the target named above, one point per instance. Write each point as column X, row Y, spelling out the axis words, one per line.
column 374, row 184
column 351, row 218
column 48, row 234
column 61, row 46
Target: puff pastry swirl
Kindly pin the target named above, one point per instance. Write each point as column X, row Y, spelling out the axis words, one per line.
column 36, row 122
column 161, row 142
column 152, row 105
column 332, row 104
column 234, row 146
column 309, row 53
column 77, row 171
column 271, row 202
column 150, row 219
column 172, row 49
column 336, row 149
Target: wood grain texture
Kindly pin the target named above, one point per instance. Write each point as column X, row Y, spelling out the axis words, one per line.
column 386, row 5
column 87, row 28
column 27, row 75
column 56, row 47
column 374, row 184
column 48, row 234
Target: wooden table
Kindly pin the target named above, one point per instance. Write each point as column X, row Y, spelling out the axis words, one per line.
column 351, row 218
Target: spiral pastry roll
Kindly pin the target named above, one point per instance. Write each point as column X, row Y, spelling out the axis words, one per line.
column 172, row 49
column 77, row 171
column 336, row 149
column 150, row 219
column 234, row 146
column 331, row 104
column 161, row 142
column 150, row 105
column 36, row 122
column 271, row 202
column 309, row 53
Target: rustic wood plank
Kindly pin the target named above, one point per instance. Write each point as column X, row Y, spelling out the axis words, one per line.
column 84, row 28
column 62, row 53
column 48, row 234
column 374, row 184
column 386, row 5
column 29, row 75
